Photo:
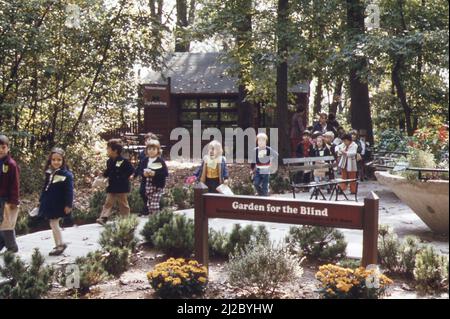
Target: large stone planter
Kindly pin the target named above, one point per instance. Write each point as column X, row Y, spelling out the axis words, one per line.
column 428, row 199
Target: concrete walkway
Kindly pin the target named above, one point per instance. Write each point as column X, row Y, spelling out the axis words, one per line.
column 84, row 239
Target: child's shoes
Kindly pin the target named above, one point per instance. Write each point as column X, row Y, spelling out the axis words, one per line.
column 58, row 250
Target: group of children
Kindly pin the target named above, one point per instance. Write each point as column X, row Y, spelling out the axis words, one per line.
column 152, row 170
column 349, row 149
column 55, row 201
column 57, row 196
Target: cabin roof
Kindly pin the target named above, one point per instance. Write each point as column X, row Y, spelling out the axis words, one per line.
column 201, row 73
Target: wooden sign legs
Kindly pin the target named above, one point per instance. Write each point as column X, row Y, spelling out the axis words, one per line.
column 201, row 225
column 370, row 230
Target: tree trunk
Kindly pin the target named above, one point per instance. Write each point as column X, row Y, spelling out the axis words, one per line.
column 243, row 39
column 282, row 79
column 318, row 94
column 181, row 44
column 359, row 89
column 410, row 120
column 156, row 10
column 337, row 97
column 401, row 94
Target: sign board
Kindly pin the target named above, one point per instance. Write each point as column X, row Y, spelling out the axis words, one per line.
column 286, row 211
column 156, row 95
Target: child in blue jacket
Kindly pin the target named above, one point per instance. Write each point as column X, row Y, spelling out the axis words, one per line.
column 56, row 199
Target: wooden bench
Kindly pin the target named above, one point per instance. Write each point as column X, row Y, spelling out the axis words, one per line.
column 295, row 165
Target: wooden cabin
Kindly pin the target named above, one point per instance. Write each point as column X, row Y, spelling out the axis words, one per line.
column 195, row 86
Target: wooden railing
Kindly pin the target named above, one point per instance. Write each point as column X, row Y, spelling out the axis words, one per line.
column 132, row 129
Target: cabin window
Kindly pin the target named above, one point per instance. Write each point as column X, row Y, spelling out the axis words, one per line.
column 213, row 112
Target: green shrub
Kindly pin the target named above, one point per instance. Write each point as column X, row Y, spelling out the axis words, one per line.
column 88, row 216
column 190, row 196
column 96, row 203
column 218, row 243
column 31, row 174
column 91, row 273
column 222, row 244
column 117, row 261
column 392, row 140
column 388, row 248
column 117, row 241
column 154, row 223
column 120, row 234
column 114, row 261
column 135, row 201
column 349, row 263
column 321, row 243
column 176, row 238
column 408, row 252
column 260, row 269
column 431, row 271
column 22, row 225
column 86, row 156
column 397, row 256
column 279, row 184
column 84, row 216
column 422, row 159
column 166, row 201
column 25, row 282
column 180, row 196
column 240, row 237
column 243, row 188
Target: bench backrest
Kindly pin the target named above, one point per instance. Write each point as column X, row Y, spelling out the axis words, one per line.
column 295, row 165
column 303, row 160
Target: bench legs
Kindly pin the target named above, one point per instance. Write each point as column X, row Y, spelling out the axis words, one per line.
column 316, row 192
column 336, row 191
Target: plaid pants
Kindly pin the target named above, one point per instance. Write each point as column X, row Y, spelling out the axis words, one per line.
column 154, row 195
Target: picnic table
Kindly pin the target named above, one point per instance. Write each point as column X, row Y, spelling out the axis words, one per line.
column 305, row 164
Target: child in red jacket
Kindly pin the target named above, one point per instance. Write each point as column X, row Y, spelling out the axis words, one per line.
column 9, row 197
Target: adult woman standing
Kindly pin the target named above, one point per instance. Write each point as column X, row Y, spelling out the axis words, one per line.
column 298, row 126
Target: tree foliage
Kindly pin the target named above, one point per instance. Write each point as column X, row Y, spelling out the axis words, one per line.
column 67, row 70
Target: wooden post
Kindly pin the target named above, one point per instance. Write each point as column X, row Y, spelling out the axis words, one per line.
column 370, row 230
column 201, row 225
